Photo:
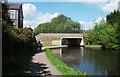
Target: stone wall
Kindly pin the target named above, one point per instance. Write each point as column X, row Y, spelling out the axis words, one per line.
column 54, row 38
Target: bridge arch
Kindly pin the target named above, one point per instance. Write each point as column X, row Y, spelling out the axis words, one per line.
column 73, row 40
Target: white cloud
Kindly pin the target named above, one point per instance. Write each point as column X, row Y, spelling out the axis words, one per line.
column 46, row 17
column 29, row 11
column 105, row 5
column 33, row 18
column 110, row 7
column 88, row 0
column 86, row 25
column 89, row 25
column 99, row 19
column 30, row 23
column 57, row 0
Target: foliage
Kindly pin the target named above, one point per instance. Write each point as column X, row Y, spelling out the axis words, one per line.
column 92, row 37
column 61, row 66
column 106, row 33
column 17, row 47
column 61, row 24
column 113, row 17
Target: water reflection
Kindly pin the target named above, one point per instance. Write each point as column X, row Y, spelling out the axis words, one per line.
column 57, row 52
column 94, row 61
column 82, row 52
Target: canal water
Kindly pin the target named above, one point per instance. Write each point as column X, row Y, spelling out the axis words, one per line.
column 94, row 61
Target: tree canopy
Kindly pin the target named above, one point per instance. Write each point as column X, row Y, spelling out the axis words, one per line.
column 114, row 17
column 107, row 33
column 60, row 24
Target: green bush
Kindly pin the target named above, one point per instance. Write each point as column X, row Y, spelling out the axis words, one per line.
column 17, row 47
column 107, row 33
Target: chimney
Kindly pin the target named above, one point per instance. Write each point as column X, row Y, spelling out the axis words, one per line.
column 3, row 1
column 119, row 5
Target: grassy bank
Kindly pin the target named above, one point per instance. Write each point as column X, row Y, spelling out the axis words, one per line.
column 48, row 45
column 61, row 66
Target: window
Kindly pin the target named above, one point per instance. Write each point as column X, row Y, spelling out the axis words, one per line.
column 12, row 14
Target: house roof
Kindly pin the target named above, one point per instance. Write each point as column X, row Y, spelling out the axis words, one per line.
column 13, row 6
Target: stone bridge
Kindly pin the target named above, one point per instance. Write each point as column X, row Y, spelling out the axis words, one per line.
column 57, row 38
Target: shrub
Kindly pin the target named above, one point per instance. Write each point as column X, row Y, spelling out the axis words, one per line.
column 17, row 47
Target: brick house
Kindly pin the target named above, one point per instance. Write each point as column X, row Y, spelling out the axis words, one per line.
column 16, row 14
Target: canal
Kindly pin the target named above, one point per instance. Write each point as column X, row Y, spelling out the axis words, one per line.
column 94, row 61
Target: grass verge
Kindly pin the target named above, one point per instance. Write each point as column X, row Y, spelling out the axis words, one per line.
column 61, row 66
column 48, row 45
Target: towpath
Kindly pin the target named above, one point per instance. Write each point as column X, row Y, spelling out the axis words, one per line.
column 41, row 66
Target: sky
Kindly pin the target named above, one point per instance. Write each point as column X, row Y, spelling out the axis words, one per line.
column 86, row 12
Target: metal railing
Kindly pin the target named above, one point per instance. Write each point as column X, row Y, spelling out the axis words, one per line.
column 54, row 31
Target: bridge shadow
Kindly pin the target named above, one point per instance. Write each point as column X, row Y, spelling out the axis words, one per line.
column 37, row 70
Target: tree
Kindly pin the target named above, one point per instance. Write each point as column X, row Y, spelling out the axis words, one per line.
column 114, row 17
column 92, row 37
column 58, row 24
column 107, row 36
column 103, row 34
column 107, row 33
column 60, row 19
column 76, row 26
column 68, row 25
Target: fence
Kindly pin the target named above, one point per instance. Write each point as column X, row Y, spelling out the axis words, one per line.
column 54, row 31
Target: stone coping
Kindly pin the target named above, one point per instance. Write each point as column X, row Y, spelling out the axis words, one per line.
column 93, row 46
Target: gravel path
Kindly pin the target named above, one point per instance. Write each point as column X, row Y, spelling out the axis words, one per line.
column 41, row 66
